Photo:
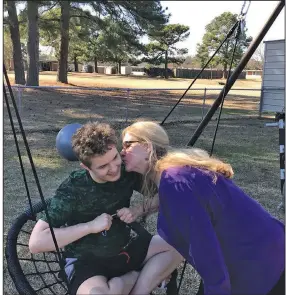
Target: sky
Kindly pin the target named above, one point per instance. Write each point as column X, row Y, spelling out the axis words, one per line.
column 197, row 14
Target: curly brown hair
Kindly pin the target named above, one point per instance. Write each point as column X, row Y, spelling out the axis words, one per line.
column 93, row 139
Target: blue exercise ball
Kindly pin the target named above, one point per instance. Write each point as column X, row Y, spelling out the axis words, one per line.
column 64, row 141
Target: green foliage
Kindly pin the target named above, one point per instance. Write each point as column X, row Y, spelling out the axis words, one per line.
column 121, row 42
column 162, row 49
column 79, row 33
column 49, row 24
column 119, row 26
column 138, row 16
column 48, row 21
column 169, row 35
column 164, row 42
column 81, row 24
column 98, row 30
column 216, row 32
column 107, row 31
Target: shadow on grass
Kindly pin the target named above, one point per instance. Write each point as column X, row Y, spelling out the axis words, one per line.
column 52, row 109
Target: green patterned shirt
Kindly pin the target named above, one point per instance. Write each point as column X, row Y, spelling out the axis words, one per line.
column 80, row 199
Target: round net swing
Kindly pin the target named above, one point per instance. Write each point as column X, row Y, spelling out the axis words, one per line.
column 41, row 274
column 32, row 273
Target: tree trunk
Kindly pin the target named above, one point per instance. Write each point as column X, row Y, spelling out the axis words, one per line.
column 95, row 65
column 33, row 44
column 64, row 46
column 15, row 37
column 75, row 63
column 166, row 64
column 226, row 59
column 224, row 71
column 119, row 67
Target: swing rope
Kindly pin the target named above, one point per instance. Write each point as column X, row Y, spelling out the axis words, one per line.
column 18, row 150
column 237, row 36
column 59, row 256
column 229, row 34
column 239, row 21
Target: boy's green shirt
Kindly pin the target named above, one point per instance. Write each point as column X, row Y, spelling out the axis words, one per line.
column 80, row 199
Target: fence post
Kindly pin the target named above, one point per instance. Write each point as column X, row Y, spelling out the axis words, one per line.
column 203, row 109
column 126, row 108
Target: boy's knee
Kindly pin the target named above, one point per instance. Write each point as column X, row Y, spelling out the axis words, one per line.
column 99, row 290
column 118, row 285
column 177, row 256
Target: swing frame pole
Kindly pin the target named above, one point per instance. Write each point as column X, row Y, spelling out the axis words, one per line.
column 246, row 57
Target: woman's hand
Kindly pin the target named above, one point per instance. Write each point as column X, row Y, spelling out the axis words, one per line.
column 129, row 215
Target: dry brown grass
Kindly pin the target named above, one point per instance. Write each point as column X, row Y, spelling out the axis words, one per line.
column 121, row 81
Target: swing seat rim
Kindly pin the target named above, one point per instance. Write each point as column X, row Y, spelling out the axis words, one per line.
column 13, row 265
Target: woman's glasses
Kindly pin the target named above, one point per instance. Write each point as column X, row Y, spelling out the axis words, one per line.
column 127, row 144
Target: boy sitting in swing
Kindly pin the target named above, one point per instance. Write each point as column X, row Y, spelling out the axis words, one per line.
column 89, row 214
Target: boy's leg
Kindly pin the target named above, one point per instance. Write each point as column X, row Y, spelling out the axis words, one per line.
column 161, row 260
column 99, row 285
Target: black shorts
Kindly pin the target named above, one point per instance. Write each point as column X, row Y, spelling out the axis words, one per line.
column 127, row 260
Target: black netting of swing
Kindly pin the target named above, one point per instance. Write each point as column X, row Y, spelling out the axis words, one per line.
column 40, row 274
column 32, row 273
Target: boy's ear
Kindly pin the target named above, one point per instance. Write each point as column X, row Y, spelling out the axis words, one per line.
column 83, row 166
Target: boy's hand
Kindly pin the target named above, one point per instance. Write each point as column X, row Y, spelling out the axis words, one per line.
column 128, row 215
column 100, row 223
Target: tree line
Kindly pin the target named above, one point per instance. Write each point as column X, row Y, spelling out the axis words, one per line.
column 89, row 30
column 105, row 31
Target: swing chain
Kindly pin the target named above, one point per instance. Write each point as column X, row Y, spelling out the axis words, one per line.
column 244, row 10
column 241, row 18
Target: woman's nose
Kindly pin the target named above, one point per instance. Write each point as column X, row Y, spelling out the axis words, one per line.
column 122, row 153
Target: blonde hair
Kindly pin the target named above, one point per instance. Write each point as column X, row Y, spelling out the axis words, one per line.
column 196, row 158
column 162, row 156
column 148, row 132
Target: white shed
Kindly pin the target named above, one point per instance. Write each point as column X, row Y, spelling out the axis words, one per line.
column 126, row 70
column 273, row 80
